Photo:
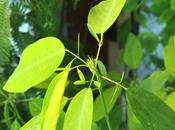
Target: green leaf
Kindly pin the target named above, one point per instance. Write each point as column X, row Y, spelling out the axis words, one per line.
column 172, row 4
column 170, row 100
column 169, row 54
column 97, row 84
column 79, row 82
column 33, row 124
column 103, row 15
column 149, row 41
column 80, row 110
column 133, row 122
column 38, row 62
column 110, row 97
column 95, row 126
column 61, row 121
column 35, row 106
column 115, row 118
column 155, row 82
column 91, row 30
column 102, row 68
column 52, row 104
column 150, row 110
column 131, row 5
column 15, row 125
column 81, row 75
column 133, row 52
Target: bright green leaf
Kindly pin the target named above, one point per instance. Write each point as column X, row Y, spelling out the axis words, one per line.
column 170, row 100
column 15, row 125
column 35, row 106
column 102, row 68
column 169, row 56
column 97, row 84
column 133, row 52
column 81, row 75
column 91, row 30
column 110, row 99
column 79, row 82
column 38, row 62
column 80, row 110
column 33, row 124
column 52, row 103
column 103, row 15
column 150, row 110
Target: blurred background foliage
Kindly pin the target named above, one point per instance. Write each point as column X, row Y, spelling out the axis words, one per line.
column 150, row 22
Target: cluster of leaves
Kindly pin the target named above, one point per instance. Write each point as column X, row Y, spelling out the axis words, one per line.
column 148, row 105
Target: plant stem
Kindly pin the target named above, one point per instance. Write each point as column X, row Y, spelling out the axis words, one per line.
column 112, row 81
column 76, row 56
column 105, row 108
column 96, row 59
column 15, row 110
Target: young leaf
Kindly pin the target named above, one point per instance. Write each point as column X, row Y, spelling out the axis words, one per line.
column 38, row 62
column 81, row 75
column 103, row 15
column 150, row 110
column 133, row 52
column 97, row 84
column 110, row 100
column 79, row 82
column 15, row 125
column 102, row 68
column 170, row 100
column 79, row 113
column 35, row 106
column 52, row 103
column 169, row 54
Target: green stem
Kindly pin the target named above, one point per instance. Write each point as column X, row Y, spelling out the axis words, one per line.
column 15, row 110
column 96, row 59
column 105, row 108
column 76, row 56
column 114, row 82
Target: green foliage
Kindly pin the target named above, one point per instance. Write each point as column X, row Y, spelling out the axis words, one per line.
column 170, row 100
column 80, row 110
column 33, row 64
column 155, row 115
column 169, row 54
column 15, row 125
column 110, row 97
column 58, row 101
column 35, row 106
column 155, row 82
column 172, row 4
column 4, row 32
column 133, row 52
column 103, row 15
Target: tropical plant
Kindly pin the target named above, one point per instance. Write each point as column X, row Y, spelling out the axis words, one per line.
column 93, row 105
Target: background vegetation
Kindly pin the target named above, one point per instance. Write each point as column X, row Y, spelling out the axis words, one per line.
column 133, row 45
